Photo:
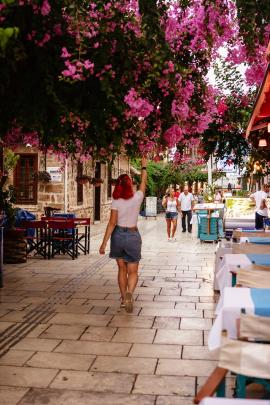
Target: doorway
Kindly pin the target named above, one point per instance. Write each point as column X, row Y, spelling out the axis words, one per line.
column 97, row 193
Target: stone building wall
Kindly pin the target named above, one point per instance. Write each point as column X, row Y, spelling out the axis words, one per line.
column 53, row 193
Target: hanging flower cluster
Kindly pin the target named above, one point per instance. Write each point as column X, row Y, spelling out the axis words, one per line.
column 95, row 78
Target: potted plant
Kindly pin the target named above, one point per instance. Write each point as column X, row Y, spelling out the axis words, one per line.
column 83, row 179
column 14, row 242
column 97, row 181
column 44, row 176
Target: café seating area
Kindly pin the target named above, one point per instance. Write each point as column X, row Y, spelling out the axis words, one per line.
column 240, row 334
column 61, row 234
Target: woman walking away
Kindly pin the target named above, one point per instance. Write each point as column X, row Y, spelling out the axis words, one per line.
column 125, row 238
column 170, row 202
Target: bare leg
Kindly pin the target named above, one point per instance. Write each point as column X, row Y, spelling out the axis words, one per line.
column 132, row 269
column 174, row 222
column 168, row 227
column 122, row 277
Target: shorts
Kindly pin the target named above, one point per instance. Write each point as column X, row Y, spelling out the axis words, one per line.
column 171, row 215
column 126, row 244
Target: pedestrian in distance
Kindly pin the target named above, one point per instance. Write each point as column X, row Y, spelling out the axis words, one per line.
column 261, row 211
column 125, row 238
column 186, row 202
column 171, row 205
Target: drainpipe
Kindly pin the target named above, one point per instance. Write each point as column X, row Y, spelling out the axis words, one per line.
column 66, row 186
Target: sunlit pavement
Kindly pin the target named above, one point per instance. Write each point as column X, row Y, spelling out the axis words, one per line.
column 71, row 344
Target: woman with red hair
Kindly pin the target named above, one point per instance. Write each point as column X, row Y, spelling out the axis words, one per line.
column 125, row 238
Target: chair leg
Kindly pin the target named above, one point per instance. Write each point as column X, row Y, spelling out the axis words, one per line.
column 221, row 390
column 240, row 386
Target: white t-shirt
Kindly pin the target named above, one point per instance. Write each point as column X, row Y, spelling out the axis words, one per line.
column 185, row 201
column 171, row 205
column 258, row 197
column 128, row 210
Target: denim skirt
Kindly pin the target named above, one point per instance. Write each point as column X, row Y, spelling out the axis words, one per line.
column 126, row 244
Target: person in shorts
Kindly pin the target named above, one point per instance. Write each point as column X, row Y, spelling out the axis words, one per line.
column 125, row 237
column 261, row 212
column 170, row 203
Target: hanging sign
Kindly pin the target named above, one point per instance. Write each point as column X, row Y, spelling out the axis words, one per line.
column 56, row 174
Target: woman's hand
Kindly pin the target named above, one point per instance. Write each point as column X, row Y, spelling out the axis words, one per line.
column 102, row 249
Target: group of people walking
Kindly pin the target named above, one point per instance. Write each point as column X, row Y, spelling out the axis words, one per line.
column 175, row 202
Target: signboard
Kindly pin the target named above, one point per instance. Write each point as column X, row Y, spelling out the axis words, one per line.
column 151, row 206
column 56, row 174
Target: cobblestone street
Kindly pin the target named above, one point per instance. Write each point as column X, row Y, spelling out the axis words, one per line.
column 66, row 341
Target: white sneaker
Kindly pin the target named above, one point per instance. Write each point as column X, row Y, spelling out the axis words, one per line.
column 174, row 239
column 169, row 239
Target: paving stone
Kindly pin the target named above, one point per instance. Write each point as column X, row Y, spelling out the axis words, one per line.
column 198, row 353
column 200, row 292
column 110, row 364
column 37, row 344
column 192, row 313
column 15, row 358
column 81, row 319
column 176, row 298
column 99, row 334
column 67, row 397
column 36, row 332
column 134, row 335
column 185, row 367
column 11, row 395
column 125, row 321
column 196, row 323
column 166, row 323
column 64, row 361
column 179, row 337
column 164, row 385
column 63, row 332
column 5, row 325
column 26, row 376
column 93, row 381
column 156, row 351
column 174, row 400
column 98, row 348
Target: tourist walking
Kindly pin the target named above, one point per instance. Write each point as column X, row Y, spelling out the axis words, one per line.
column 261, row 211
column 171, row 204
column 125, row 238
column 186, row 202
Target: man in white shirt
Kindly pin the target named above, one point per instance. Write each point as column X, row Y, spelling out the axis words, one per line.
column 186, row 201
column 260, row 198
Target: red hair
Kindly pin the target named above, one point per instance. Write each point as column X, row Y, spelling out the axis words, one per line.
column 123, row 188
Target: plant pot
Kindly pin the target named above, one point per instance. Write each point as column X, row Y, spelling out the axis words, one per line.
column 14, row 245
column 97, row 182
column 83, row 179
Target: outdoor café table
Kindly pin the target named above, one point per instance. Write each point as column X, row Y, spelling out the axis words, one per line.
column 230, row 401
column 221, row 250
column 255, row 301
column 255, row 239
column 231, row 263
column 239, row 233
column 210, row 208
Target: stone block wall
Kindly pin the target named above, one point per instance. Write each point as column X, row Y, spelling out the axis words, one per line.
column 52, row 193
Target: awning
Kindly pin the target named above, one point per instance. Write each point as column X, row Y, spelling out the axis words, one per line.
column 260, row 116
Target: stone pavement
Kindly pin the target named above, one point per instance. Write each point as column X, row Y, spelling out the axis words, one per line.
column 65, row 341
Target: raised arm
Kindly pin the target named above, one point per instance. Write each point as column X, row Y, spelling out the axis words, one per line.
column 143, row 175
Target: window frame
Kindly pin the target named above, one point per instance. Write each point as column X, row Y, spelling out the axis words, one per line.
column 17, row 177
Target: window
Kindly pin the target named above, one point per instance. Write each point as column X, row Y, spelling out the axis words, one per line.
column 79, row 186
column 109, row 185
column 25, row 179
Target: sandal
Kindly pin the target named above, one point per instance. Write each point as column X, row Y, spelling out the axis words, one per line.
column 129, row 302
column 123, row 304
